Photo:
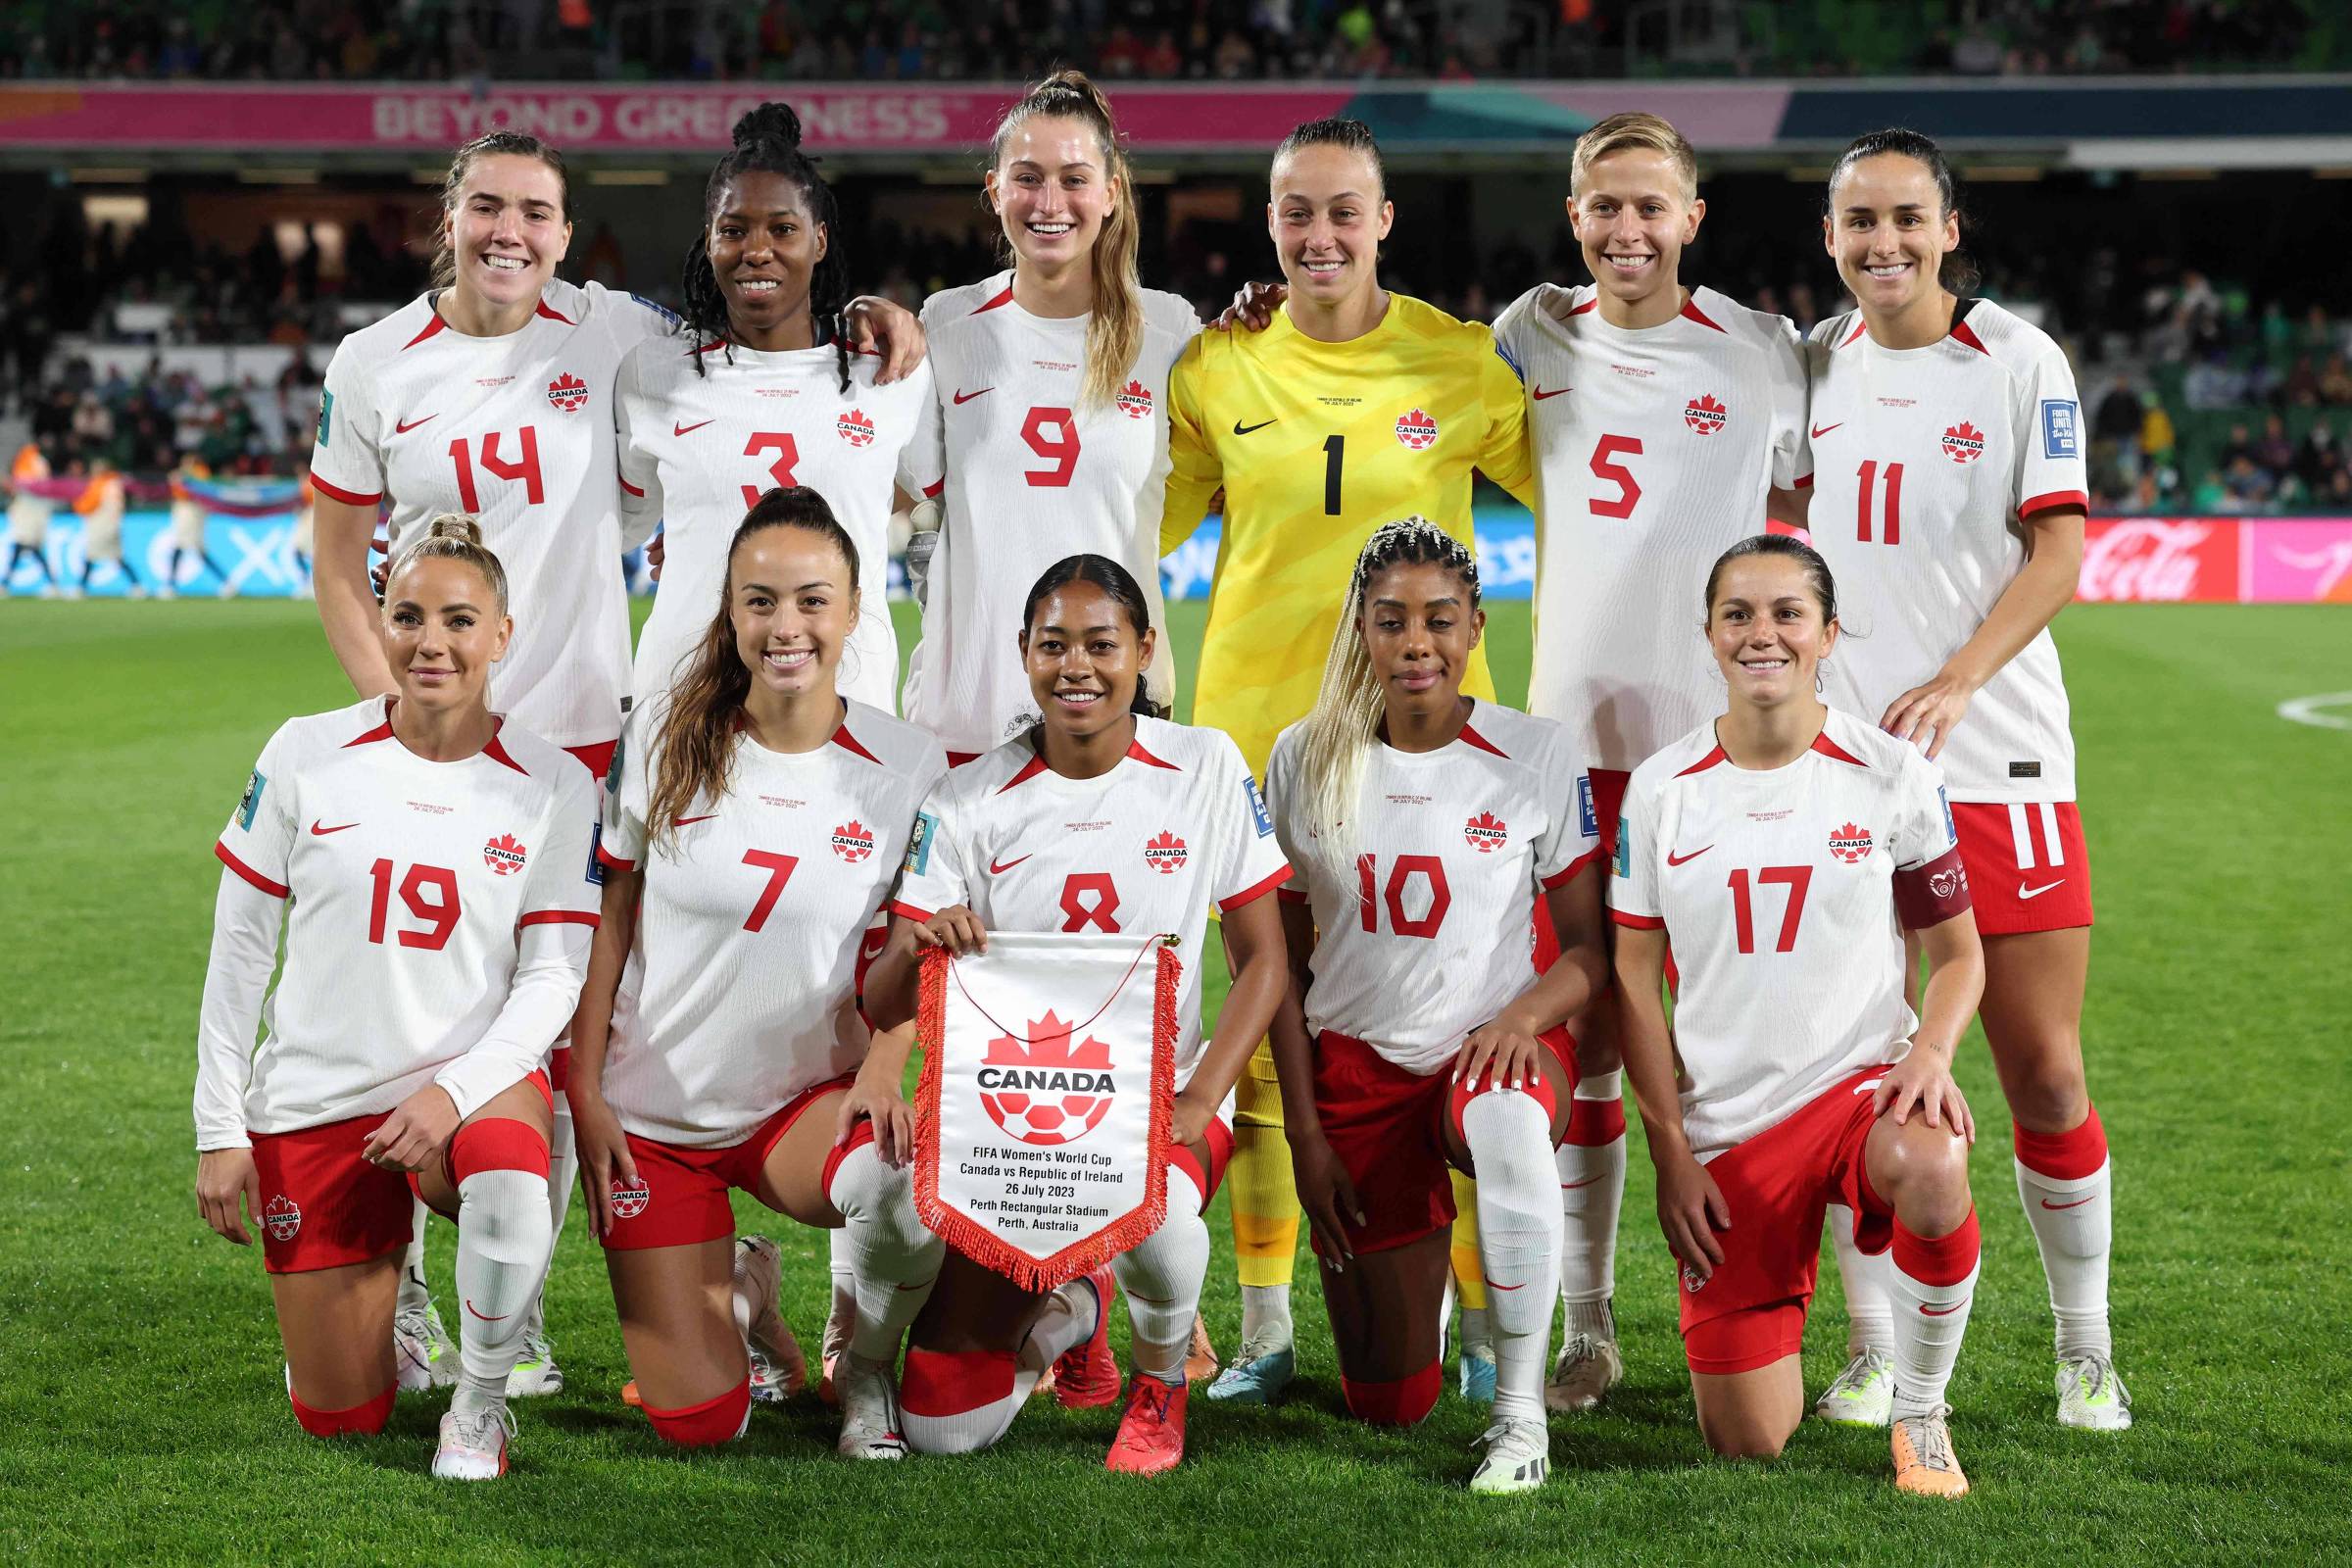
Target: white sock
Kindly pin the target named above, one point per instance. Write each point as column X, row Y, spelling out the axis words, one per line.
column 1477, row 1330
column 503, row 1242
column 1161, row 1276
column 1519, row 1221
column 842, row 1265
column 1929, row 1321
column 1869, row 1314
column 1266, row 1316
column 893, row 1258
column 414, row 1297
column 2074, row 1226
column 562, row 1163
column 1591, row 1193
column 1065, row 1322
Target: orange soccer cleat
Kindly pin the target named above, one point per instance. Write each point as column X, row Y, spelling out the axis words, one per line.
column 1200, row 1363
column 1151, row 1436
column 1087, row 1376
column 1924, row 1462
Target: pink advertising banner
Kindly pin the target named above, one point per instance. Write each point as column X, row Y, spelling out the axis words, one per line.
column 2253, row 560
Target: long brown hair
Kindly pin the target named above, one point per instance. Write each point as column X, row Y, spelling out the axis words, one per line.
column 516, row 143
column 696, row 740
column 1116, row 333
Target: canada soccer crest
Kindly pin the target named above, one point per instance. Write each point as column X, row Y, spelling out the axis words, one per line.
column 1417, row 429
column 567, row 393
column 1963, row 443
column 503, row 854
column 1692, row 1281
column 1044, row 1091
column 1165, row 854
column 853, row 841
column 1704, row 414
column 1135, row 401
column 281, row 1218
column 1485, row 833
column 628, row 1202
column 856, row 428
column 1850, row 843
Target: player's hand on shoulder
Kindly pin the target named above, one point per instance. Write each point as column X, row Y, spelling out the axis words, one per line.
column 1496, row 1055
column 603, row 1150
column 1922, row 1085
column 954, row 928
column 1253, row 308
column 1691, row 1211
column 1927, row 714
column 409, row 1139
column 878, row 325
column 223, row 1176
column 1325, row 1194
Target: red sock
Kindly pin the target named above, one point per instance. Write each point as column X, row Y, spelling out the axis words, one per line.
column 715, row 1420
column 364, row 1419
column 2065, row 1156
column 1401, row 1402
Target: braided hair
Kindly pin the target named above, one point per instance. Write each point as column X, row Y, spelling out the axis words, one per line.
column 768, row 139
column 1351, row 702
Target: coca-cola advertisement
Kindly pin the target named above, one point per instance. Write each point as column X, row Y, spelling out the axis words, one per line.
column 2300, row 560
column 2161, row 559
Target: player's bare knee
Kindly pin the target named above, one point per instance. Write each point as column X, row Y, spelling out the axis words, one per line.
column 1746, row 1435
column 2050, row 1097
column 1923, row 1172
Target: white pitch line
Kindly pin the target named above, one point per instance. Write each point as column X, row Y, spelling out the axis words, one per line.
column 2307, row 711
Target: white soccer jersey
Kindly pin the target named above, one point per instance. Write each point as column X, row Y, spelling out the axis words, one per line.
column 1033, row 476
column 1781, row 890
column 1149, row 847
column 696, row 451
column 1430, row 938
column 516, row 430
column 409, row 883
column 1929, row 459
column 740, row 989
column 1654, row 449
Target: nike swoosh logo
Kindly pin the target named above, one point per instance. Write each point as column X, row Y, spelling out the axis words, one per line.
column 319, row 832
column 1541, row 394
column 961, row 398
column 1821, row 430
column 1941, row 1311
column 2076, row 1203
column 995, row 869
column 2025, row 892
column 1673, row 859
column 689, row 821
column 405, row 426
column 1239, row 428
column 686, row 429
column 486, row 1317
column 1570, row 1187
column 1866, row 1087
column 1493, row 1285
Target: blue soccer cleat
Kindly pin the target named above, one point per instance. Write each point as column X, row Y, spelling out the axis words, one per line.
column 1255, row 1377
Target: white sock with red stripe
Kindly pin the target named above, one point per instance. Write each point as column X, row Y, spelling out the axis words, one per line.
column 960, row 1402
column 1590, row 1165
column 1869, row 1314
column 1509, row 1137
column 503, row 1242
column 1930, row 1285
column 893, row 1257
column 2064, row 1181
column 1161, row 1276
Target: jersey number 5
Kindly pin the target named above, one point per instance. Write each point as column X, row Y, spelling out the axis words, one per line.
column 1796, row 878
column 1606, row 467
column 1402, row 871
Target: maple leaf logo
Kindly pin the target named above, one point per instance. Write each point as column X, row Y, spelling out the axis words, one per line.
column 1850, row 843
column 1043, row 1090
column 853, row 841
column 1135, row 401
column 503, row 854
column 1486, row 832
column 1963, row 442
column 1704, row 414
column 857, row 428
column 1417, row 429
column 1165, row 854
column 569, row 393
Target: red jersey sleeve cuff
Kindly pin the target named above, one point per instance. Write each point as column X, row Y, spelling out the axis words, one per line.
column 1255, row 891
column 277, row 890
column 586, row 917
column 1637, row 922
column 1803, row 481
column 1567, row 873
column 611, row 862
column 907, row 911
column 336, row 492
column 2051, row 502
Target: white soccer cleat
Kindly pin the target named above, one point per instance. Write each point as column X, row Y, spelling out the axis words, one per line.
column 1586, row 1369
column 535, row 1373
column 1861, row 1395
column 778, row 1368
column 421, row 1350
column 473, row 1447
column 2091, row 1396
column 1518, row 1457
column 870, row 1428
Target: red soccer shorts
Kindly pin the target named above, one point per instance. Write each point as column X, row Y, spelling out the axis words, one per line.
column 1751, row 1311
column 680, row 1199
column 1387, row 1126
column 2028, row 869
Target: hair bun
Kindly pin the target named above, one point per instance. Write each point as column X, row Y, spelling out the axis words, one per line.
column 456, row 525
column 770, row 122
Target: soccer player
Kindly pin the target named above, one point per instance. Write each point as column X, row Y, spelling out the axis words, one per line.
column 1055, row 830
column 1051, row 380
column 1422, row 828
column 101, row 505
column 492, row 394
column 28, row 513
column 1667, row 424
column 1951, row 500
column 758, row 827
column 187, row 528
column 762, row 392
column 1354, row 407
column 1783, row 849
column 430, row 861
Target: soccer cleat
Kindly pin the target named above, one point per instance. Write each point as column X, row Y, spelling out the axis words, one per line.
column 1517, row 1457
column 778, row 1368
column 535, row 1374
column 1586, row 1369
column 1087, row 1376
column 473, row 1447
column 1200, row 1363
column 1478, row 1374
column 1861, row 1395
column 838, row 1323
column 1924, row 1462
column 421, row 1350
column 1261, row 1371
column 631, row 1396
column 2091, row 1396
column 870, row 1428
column 1151, row 1436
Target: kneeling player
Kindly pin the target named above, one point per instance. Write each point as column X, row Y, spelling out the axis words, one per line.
column 1420, row 826
column 442, row 875
column 754, row 834
column 1101, row 817
column 1783, row 849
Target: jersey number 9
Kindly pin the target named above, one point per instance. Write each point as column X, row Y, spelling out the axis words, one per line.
column 1061, row 451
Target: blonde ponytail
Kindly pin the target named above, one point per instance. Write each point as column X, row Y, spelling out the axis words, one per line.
column 453, row 536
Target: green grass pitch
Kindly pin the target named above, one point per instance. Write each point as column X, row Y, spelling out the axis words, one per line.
column 142, row 1414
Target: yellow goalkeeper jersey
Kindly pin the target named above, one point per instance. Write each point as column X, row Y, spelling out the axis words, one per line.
column 1318, row 444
